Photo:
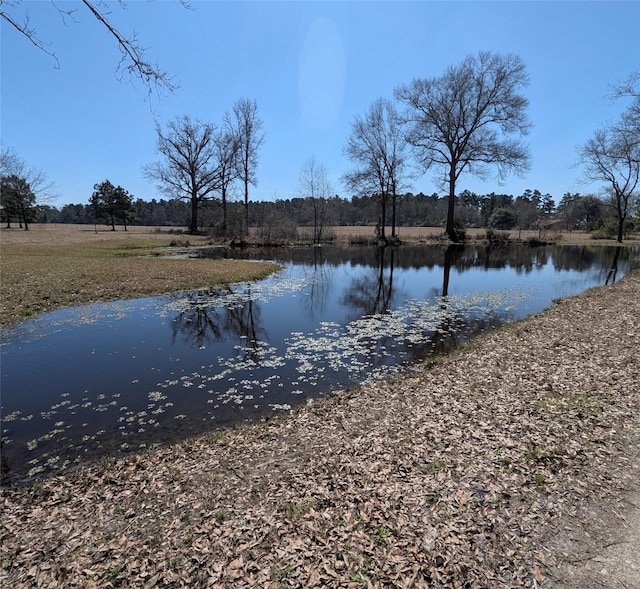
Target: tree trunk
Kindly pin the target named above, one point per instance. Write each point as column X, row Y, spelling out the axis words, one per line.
column 246, row 206
column 23, row 217
column 224, row 211
column 383, row 217
column 450, row 230
column 393, row 213
column 316, row 236
column 621, row 218
column 193, row 229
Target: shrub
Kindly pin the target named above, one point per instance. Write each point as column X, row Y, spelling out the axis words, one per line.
column 609, row 229
column 497, row 238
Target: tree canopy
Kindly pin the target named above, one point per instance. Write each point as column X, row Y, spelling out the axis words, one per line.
column 111, row 202
column 465, row 120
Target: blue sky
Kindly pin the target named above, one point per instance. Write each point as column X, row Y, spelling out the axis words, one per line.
column 311, row 67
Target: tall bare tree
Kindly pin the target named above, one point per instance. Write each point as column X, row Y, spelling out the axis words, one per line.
column 378, row 148
column 249, row 128
column 464, row 120
column 314, row 184
column 612, row 156
column 226, row 146
column 134, row 60
column 189, row 170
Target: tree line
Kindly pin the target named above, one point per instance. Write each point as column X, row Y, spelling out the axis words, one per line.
column 281, row 219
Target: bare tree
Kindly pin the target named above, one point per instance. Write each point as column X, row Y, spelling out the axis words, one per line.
column 378, row 148
column 249, row 129
column 226, row 147
column 314, row 185
column 22, row 188
column 189, row 170
column 612, row 156
column 134, row 60
column 630, row 88
column 463, row 120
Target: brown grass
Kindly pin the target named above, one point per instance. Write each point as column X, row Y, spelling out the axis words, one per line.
column 49, row 267
column 345, row 234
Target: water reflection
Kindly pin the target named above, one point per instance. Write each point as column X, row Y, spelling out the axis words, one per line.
column 613, row 270
column 373, row 292
column 201, row 323
column 193, row 361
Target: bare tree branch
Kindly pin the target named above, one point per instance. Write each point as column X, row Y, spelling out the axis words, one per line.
column 134, row 60
column 27, row 30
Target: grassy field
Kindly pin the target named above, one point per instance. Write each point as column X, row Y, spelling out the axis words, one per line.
column 49, row 267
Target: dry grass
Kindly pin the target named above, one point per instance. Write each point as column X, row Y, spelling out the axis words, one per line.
column 50, row 267
column 464, row 474
column 346, row 234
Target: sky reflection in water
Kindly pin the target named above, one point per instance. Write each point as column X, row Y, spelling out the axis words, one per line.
column 101, row 379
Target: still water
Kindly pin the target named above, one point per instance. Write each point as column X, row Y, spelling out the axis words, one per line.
column 102, row 379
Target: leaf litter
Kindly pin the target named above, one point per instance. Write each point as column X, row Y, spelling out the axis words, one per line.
column 458, row 475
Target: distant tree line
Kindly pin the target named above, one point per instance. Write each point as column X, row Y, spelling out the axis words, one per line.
column 281, row 218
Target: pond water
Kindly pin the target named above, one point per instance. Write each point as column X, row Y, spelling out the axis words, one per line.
column 102, row 379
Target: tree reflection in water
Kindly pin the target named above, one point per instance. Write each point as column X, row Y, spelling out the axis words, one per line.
column 202, row 323
column 613, row 270
column 373, row 293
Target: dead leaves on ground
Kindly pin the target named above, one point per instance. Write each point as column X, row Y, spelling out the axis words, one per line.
column 450, row 478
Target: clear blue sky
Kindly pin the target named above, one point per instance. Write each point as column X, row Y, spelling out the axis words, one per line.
column 311, row 66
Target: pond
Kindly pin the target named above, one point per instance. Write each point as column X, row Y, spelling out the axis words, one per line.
column 104, row 379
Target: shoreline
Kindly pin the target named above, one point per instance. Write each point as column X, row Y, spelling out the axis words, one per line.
column 468, row 470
